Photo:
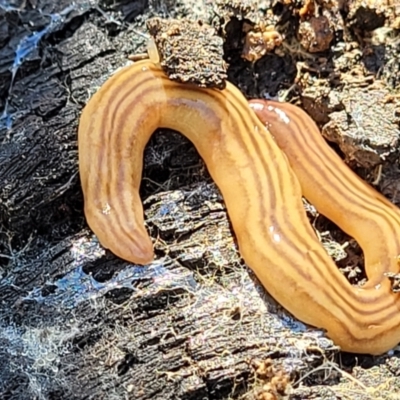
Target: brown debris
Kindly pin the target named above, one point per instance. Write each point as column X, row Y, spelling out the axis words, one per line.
column 315, row 34
column 274, row 382
column 190, row 52
column 260, row 40
column 241, row 9
column 255, row 21
column 317, row 25
column 308, row 9
column 366, row 130
column 368, row 15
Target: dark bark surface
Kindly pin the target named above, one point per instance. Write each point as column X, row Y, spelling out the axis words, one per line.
column 78, row 323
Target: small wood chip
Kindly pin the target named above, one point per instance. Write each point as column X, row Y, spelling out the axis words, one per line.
column 190, row 52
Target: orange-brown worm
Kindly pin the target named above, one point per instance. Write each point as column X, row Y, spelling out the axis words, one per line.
column 261, row 192
column 357, row 208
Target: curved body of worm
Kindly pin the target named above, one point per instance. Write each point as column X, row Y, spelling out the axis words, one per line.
column 343, row 197
column 261, row 192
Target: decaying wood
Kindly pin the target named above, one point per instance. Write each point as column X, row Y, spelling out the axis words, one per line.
column 78, row 323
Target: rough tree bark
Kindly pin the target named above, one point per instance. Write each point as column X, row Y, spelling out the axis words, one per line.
column 78, row 323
